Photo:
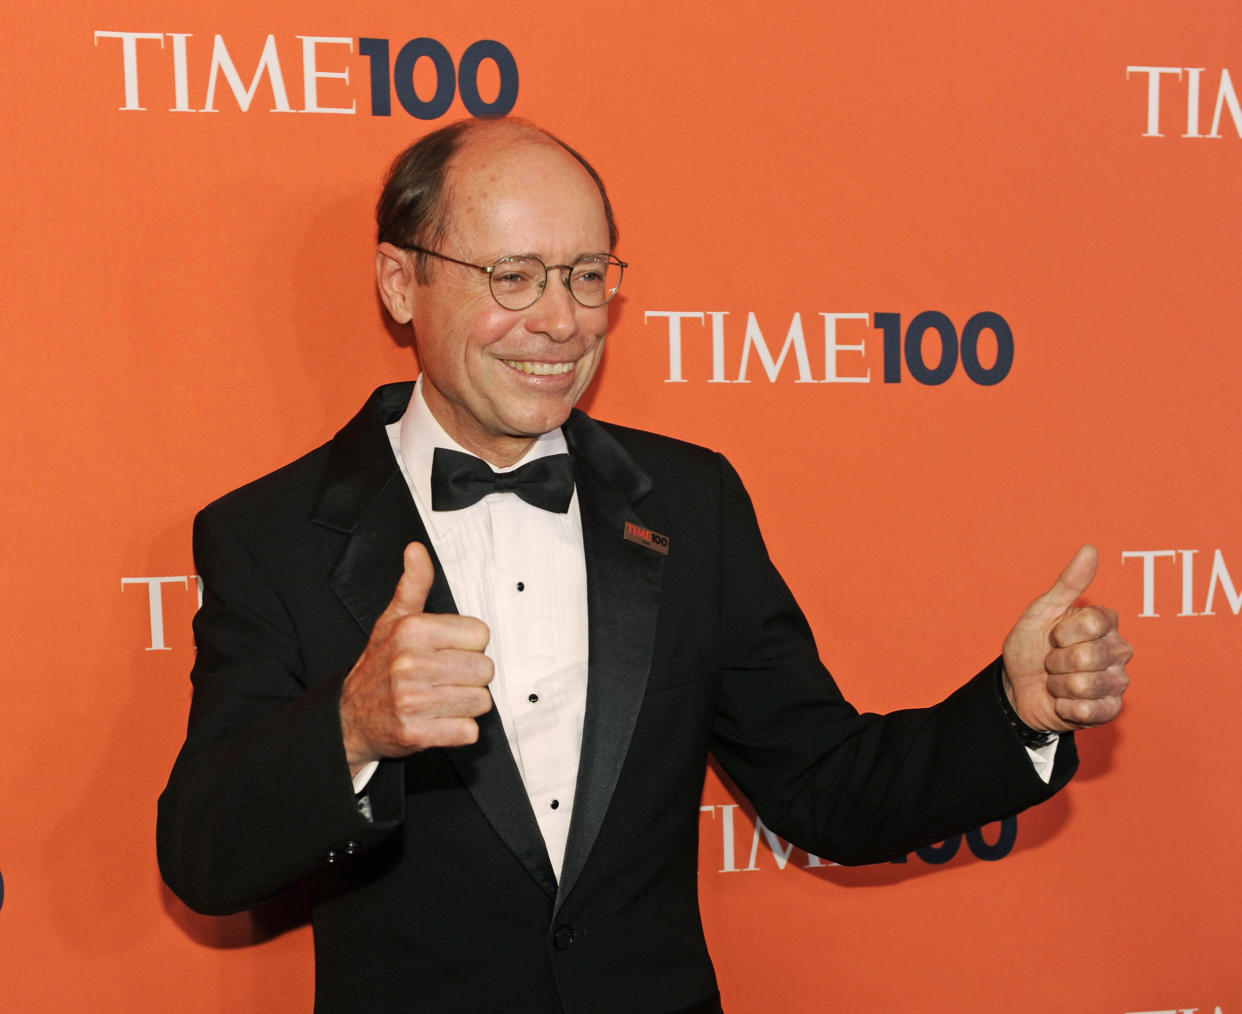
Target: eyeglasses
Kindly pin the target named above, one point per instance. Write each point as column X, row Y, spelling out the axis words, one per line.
column 517, row 282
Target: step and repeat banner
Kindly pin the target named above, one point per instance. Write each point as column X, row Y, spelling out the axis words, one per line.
column 955, row 286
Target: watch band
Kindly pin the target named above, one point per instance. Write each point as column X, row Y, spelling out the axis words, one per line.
column 1032, row 739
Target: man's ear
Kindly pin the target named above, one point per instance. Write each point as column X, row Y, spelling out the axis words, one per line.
column 394, row 277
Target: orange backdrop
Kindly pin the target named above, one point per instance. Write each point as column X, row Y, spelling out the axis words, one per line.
column 189, row 303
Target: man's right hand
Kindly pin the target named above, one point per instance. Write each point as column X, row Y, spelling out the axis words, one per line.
column 421, row 681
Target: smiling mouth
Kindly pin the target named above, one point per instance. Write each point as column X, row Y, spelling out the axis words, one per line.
column 539, row 369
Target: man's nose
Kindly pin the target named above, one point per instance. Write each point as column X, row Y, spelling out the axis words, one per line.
column 555, row 313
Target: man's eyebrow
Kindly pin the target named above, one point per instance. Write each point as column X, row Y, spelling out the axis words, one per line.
column 547, row 260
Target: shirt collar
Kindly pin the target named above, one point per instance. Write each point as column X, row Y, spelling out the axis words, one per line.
column 416, row 436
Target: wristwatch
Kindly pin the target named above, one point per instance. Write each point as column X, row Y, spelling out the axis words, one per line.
column 1032, row 739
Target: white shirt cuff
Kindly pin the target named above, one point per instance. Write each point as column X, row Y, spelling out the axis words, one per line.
column 363, row 777
column 1042, row 757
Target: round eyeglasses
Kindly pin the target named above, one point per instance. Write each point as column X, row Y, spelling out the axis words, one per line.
column 518, row 281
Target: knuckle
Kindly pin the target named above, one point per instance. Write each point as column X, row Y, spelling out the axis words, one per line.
column 409, row 628
column 410, row 736
column 1095, row 623
column 411, row 701
column 1081, row 712
column 1119, row 650
column 402, row 665
column 1088, row 713
column 1076, row 687
column 1083, row 657
column 471, row 629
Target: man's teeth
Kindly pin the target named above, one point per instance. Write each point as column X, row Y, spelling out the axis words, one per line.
column 541, row 369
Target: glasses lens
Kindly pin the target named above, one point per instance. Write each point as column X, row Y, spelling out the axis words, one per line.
column 518, row 281
column 595, row 279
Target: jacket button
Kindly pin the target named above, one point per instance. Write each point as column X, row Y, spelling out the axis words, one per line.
column 350, row 848
column 562, row 938
column 329, row 857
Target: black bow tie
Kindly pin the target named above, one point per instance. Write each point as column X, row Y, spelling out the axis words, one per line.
column 459, row 480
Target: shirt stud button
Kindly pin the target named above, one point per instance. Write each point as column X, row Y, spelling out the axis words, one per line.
column 533, row 698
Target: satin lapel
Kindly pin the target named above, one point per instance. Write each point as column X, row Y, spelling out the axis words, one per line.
column 365, row 496
column 623, row 601
column 367, row 572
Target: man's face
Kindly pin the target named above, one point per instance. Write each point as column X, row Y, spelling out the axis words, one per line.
column 496, row 379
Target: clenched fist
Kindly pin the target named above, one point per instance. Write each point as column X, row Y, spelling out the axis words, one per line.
column 421, row 681
column 1065, row 665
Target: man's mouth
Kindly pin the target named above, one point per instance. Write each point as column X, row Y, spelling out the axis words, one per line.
column 539, row 369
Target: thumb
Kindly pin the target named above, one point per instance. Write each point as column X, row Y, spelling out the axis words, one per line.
column 1074, row 579
column 411, row 594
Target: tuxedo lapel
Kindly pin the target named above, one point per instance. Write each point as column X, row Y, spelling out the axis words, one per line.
column 365, row 496
column 623, row 600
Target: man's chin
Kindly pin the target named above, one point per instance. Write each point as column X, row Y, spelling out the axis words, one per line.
column 534, row 428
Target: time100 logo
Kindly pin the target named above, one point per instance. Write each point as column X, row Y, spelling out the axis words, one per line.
column 197, row 71
column 928, row 348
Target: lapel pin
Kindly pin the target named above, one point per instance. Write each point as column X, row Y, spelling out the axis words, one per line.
column 646, row 537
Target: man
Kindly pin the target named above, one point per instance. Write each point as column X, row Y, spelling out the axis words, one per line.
column 490, row 777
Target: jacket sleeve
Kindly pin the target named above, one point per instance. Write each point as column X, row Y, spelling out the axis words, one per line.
column 260, row 795
column 854, row 788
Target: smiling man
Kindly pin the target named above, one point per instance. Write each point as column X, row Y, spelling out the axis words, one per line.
column 460, row 669
column 506, row 356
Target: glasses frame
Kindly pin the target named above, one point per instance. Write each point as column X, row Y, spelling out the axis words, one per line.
column 547, row 269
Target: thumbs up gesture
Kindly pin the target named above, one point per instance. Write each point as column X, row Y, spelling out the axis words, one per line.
column 421, row 680
column 1065, row 665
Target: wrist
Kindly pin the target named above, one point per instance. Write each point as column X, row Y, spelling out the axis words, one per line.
column 1031, row 738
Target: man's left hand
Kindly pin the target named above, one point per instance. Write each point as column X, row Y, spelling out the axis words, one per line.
column 1065, row 665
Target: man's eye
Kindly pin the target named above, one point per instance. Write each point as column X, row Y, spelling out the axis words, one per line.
column 513, row 278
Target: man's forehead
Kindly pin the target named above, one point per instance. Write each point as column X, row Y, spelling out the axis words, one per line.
column 509, row 148
column 498, row 171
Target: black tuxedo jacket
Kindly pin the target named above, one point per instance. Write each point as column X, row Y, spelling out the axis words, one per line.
column 444, row 899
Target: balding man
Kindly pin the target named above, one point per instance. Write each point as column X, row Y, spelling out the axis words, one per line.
column 490, row 777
